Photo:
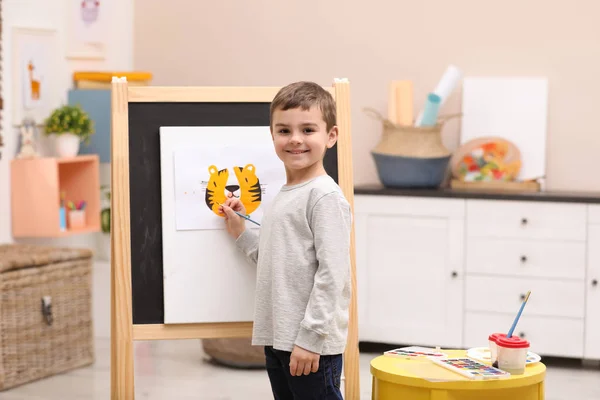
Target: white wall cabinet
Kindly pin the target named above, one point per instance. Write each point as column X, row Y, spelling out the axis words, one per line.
column 592, row 286
column 449, row 271
column 410, row 270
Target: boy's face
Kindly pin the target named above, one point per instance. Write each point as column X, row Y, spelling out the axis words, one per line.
column 301, row 137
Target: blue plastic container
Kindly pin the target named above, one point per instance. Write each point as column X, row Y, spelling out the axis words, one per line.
column 96, row 102
column 410, row 172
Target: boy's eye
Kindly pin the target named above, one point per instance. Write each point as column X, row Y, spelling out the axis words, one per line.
column 308, row 130
column 283, row 130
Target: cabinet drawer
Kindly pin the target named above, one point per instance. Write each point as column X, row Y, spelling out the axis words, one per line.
column 526, row 219
column 548, row 336
column 594, row 213
column 522, row 258
column 551, row 298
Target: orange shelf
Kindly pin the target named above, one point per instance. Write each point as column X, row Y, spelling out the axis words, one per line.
column 36, row 185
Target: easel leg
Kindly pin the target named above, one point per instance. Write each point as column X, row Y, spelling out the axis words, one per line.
column 346, row 182
column 121, row 356
column 122, row 387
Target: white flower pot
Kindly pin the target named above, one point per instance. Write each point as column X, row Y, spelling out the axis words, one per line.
column 103, row 251
column 67, row 145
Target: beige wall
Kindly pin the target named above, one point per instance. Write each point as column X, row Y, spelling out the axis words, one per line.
column 262, row 42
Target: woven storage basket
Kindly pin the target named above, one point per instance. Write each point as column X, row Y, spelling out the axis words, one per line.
column 45, row 312
column 235, row 352
column 409, row 156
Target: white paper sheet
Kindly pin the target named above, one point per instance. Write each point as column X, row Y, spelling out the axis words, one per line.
column 201, row 264
column 211, row 147
column 512, row 108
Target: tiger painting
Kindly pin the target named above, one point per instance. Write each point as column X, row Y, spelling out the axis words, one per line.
column 250, row 188
column 215, row 188
column 218, row 188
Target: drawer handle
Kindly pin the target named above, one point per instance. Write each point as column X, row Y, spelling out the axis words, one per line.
column 454, row 274
column 522, row 335
column 47, row 309
column 595, row 282
column 523, row 221
column 523, row 259
column 523, row 297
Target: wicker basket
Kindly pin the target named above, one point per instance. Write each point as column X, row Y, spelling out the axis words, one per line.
column 235, row 352
column 409, row 156
column 45, row 312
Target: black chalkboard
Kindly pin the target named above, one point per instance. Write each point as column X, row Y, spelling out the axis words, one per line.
column 145, row 120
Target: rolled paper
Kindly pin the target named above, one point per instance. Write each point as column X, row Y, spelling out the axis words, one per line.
column 430, row 112
column 444, row 88
column 404, row 102
column 392, row 109
column 447, row 84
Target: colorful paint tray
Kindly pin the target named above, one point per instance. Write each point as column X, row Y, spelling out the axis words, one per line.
column 471, row 368
column 415, row 352
column 483, row 354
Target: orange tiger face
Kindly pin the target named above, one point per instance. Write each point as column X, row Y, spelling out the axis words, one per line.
column 251, row 191
column 215, row 188
column 247, row 188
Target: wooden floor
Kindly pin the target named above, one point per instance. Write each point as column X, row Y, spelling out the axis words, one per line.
column 164, row 368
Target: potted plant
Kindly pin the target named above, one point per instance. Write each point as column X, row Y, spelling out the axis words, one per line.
column 71, row 126
column 105, row 213
column 104, row 237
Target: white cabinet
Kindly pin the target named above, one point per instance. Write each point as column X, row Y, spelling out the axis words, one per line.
column 592, row 287
column 526, row 220
column 410, row 269
column 449, row 271
column 516, row 246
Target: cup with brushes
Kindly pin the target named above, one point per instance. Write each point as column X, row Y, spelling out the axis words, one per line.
column 76, row 213
column 506, row 351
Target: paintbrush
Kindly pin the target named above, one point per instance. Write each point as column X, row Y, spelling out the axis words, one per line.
column 241, row 215
column 514, row 325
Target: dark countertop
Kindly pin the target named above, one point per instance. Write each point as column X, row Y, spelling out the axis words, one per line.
column 555, row 196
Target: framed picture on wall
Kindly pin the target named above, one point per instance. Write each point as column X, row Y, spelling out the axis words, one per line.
column 87, row 26
column 34, row 68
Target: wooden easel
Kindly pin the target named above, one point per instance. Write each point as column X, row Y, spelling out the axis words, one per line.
column 124, row 331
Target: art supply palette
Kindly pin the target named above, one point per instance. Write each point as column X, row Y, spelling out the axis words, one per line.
column 471, row 368
column 483, row 354
column 415, row 352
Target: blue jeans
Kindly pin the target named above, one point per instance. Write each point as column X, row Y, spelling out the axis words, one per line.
column 321, row 385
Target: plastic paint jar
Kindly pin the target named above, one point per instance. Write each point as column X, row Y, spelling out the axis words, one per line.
column 512, row 354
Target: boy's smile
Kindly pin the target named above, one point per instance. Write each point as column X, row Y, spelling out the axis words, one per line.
column 301, row 139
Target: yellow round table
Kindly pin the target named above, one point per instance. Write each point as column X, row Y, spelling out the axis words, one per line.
column 397, row 378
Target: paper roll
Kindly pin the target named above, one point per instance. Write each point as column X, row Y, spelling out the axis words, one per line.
column 404, row 101
column 445, row 86
column 448, row 82
column 432, row 107
column 400, row 102
column 392, row 109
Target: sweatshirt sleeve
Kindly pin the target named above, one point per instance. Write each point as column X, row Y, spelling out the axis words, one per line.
column 247, row 243
column 331, row 223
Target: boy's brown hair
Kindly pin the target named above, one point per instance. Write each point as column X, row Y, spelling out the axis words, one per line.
column 304, row 95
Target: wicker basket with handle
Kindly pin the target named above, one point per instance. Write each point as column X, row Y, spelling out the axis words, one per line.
column 410, row 156
column 45, row 312
column 410, row 141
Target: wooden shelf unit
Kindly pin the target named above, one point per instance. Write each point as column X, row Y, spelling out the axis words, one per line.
column 36, row 185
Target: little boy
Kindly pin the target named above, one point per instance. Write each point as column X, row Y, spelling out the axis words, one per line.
column 301, row 252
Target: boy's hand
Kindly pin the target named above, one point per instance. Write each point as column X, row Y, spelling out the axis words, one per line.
column 303, row 361
column 234, row 223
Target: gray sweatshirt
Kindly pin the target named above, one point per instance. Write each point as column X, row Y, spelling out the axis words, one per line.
column 302, row 253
